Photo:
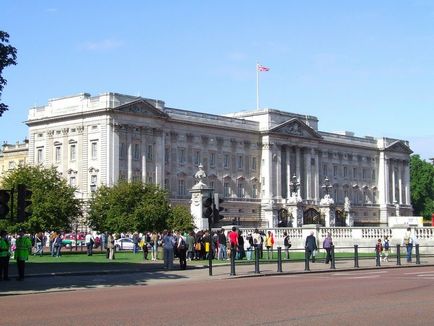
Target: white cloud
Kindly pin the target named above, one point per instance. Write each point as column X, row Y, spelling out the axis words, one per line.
column 103, row 45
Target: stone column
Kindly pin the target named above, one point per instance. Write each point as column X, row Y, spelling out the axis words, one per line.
column 143, row 145
column 297, row 167
column 278, row 165
column 288, row 172
column 407, row 182
column 400, row 182
column 393, row 183
column 316, row 177
column 308, row 171
column 130, row 154
column 383, row 187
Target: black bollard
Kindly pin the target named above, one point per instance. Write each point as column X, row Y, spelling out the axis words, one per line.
column 377, row 258
column 233, row 263
column 398, row 255
column 356, row 256
column 306, row 259
column 332, row 263
column 279, row 259
column 257, row 260
column 417, row 255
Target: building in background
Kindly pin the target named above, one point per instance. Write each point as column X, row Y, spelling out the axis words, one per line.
column 250, row 158
column 12, row 156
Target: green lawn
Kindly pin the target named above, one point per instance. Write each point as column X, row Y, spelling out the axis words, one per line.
column 128, row 257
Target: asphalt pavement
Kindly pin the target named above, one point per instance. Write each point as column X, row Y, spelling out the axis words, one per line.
column 69, row 276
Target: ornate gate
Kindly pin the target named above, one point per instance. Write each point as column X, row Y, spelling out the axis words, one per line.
column 340, row 218
column 312, row 216
column 284, row 220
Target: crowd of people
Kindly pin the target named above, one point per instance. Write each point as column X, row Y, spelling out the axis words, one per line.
column 168, row 245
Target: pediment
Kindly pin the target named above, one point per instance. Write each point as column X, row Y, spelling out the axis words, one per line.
column 297, row 128
column 400, row 147
column 142, row 108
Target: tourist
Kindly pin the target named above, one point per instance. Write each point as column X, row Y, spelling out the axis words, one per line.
column 269, row 243
column 286, row 243
column 327, row 245
column 168, row 252
column 311, row 246
column 386, row 249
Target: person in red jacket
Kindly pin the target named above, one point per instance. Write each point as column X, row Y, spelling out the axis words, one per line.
column 233, row 240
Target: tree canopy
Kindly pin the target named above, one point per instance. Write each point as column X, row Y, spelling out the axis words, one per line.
column 422, row 186
column 180, row 219
column 54, row 206
column 8, row 56
column 129, row 207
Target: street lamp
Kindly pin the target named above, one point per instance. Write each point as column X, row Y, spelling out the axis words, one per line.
column 326, row 186
column 294, row 184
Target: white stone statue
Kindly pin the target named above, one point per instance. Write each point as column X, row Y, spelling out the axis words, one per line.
column 347, row 204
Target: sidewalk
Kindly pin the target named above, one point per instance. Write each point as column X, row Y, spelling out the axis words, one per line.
column 68, row 276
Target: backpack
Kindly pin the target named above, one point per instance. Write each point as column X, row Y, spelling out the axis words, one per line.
column 386, row 245
column 182, row 245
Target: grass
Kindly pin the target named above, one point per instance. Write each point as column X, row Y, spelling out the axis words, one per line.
column 72, row 256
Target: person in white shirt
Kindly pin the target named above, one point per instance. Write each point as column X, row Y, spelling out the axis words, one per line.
column 89, row 240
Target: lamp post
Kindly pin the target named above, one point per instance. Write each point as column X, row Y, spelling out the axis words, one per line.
column 294, row 184
column 326, row 186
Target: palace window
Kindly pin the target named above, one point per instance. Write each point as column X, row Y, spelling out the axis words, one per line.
column 182, row 155
column 226, row 189
column 240, row 162
column 94, row 150
column 181, row 187
column 254, row 163
column 72, row 152
column 254, row 191
column 240, row 190
column 197, row 158
column 40, row 155
column 150, row 153
column 212, row 159
column 136, row 154
column 226, row 161
column 57, row 154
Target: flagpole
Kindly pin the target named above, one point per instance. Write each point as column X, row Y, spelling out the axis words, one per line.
column 257, row 86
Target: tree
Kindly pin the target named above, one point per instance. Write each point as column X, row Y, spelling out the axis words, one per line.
column 8, row 56
column 129, row 207
column 422, row 186
column 54, row 206
column 180, row 219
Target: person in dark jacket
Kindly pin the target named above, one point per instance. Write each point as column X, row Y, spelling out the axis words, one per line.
column 311, row 246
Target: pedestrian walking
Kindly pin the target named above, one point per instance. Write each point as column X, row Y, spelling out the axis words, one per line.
column 222, row 251
column 57, row 244
column 409, row 241
column 39, row 248
column 378, row 249
column 182, row 250
column 286, row 243
column 111, row 246
column 233, row 240
column 269, row 244
column 311, row 246
column 89, row 241
column 4, row 256
column 168, row 252
column 327, row 245
column 386, row 249
column 24, row 247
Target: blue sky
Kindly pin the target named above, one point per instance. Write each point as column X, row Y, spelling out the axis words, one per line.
column 361, row 66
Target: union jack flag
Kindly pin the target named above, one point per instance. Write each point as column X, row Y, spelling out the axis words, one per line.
column 263, row 68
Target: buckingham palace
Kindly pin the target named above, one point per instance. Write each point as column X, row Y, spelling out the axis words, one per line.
column 255, row 160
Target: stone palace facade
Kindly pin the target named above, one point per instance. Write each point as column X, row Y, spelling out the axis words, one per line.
column 254, row 160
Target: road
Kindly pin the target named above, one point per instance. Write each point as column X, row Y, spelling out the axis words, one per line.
column 387, row 297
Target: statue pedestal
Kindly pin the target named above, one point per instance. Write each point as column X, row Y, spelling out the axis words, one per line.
column 295, row 207
column 327, row 208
